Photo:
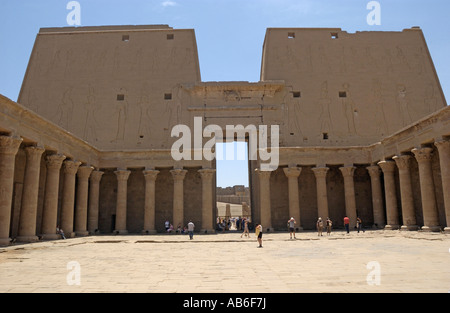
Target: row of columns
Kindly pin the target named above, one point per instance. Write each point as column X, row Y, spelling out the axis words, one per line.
column 178, row 176
column 82, row 219
column 391, row 220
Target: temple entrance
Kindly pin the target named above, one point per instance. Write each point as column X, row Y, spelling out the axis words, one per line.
column 233, row 190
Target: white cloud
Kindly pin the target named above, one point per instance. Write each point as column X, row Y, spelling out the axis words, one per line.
column 168, row 3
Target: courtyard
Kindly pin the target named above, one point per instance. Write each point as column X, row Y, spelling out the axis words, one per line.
column 371, row 262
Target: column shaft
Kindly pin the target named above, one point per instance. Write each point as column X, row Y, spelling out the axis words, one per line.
column 264, row 194
column 150, row 205
column 444, row 159
column 388, row 168
column 322, row 196
column 121, row 206
column 50, row 213
column 207, row 200
column 350, row 200
column 292, row 174
column 408, row 212
column 9, row 146
column 94, row 192
column 377, row 197
column 429, row 206
column 178, row 197
column 84, row 173
column 68, row 199
column 28, row 210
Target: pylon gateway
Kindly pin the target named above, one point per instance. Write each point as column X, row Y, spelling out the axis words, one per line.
column 358, row 123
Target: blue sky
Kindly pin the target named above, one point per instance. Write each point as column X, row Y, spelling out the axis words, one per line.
column 230, row 33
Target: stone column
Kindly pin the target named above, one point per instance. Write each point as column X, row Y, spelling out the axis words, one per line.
column 377, row 196
column 68, row 199
column 94, row 191
column 322, row 197
column 9, row 146
column 444, row 158
column 408, row 212
column 292, row 174
column 121, row 206
column 388, row 168
column 28, row 210
column 264, row 199
column 50, row 212
column 350, row 200
column 178, row 197
column 149, row 205
column 207, row 200
column 84, row 172
column 429, row 207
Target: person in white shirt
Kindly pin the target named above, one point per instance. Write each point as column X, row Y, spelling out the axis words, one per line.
column 191, row 227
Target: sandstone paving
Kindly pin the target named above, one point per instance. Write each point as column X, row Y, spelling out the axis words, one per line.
column 226, row 263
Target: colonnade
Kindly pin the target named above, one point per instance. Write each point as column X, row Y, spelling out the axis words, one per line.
column 390, row 219
column 79, row 215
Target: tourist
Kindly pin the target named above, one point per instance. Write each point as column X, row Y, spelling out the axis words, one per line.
column 347, row 224
column 359, row 225
column 246, row 232
column 329, row 224
column 60, row 232
column 319, row 226
column 191, row 227
column 169, row 230
column 167, row 225
column 291, row 224
column 258, row 232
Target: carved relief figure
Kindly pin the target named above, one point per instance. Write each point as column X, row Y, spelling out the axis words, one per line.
column 380, row 108
column 431, row 102
column 89, row 132
column 324, row 104
column 65, row 110
column 402, row 103
column 349, row 108
column 121, row 116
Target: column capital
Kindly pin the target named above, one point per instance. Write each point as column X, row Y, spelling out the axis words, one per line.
column 9, row 145
column 320, row 172
column 207, row 173
column 387, row 166
column 150, row 174
column 178, row 174
column 54, row 161
column 423, row 154
column 374, row 171
column 292, row 171
column 122, row 175
column 443, row 145
column 347, row 171
column 402, row 161
column 263, row 174
column 84, row 172
column 96, row 176
column 71, row 167
column 34, row 151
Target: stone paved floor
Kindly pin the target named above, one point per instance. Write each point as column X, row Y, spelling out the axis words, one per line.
column 405, row 262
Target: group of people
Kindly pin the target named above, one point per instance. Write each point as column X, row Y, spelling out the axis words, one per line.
column 189, row 229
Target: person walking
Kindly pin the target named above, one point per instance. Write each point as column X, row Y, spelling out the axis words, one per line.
column 191, row 227
column 291, row 224
column 319, row 226
column 359, row 225
column 246, row 232
column 329, row 224
column 347, row 224
column 258, row 232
